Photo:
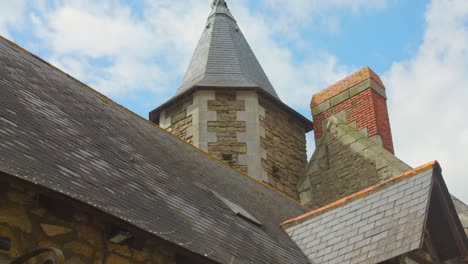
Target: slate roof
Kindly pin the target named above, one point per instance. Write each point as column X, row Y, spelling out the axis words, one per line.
column 62, row 135
column 223, row 58
column 374, row 225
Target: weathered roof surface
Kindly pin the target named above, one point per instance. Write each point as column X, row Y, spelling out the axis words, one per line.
column 62, row 135
column 462, row 210
column 223, row 58
column 372, row 226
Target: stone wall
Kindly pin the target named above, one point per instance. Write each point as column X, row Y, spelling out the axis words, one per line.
column 30, row 222
column 285, row 145
column 227, row 146
column 250, row 133
column 176, row 119
column 345, row 161
column 362, row 95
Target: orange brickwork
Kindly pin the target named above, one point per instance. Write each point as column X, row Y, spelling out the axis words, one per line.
column 368, row 108
column 345, row 84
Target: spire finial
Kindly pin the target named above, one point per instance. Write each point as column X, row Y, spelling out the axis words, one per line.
column 220, row 7
column 218, row 3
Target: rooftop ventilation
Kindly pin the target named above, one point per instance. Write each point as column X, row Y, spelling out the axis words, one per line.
column 238, row 210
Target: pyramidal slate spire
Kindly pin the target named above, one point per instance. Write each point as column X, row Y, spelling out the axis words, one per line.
column 223, row 58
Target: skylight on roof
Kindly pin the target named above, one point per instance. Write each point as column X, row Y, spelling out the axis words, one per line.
column 238, row 210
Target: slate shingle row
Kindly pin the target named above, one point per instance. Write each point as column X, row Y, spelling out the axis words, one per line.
column 371, row 229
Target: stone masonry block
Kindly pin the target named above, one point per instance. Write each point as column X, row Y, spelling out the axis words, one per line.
column 321, row 108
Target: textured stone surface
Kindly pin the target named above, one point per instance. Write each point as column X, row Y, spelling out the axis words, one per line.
column 285, row 146
column 273, row 149
column 345, row 161
column 370, row 229
column 55, row 230
column 82, row 241
column 15, row 217
column 62, row 135
column 363, row 102
column 462, row 210
column 176, row 120
column 227, row 147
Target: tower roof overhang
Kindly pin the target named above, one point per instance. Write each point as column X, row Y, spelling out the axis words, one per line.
column 308, row 125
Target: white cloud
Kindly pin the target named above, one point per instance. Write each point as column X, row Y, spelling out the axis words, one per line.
column 130, row 49
column 73, row 30
column 316, row 13
column 295, row 81
column 10, row 15
column 428, row 95
column 136, row 47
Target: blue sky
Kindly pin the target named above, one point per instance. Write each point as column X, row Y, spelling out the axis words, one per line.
column 136, row 53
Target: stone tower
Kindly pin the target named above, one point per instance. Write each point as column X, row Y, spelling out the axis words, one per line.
column 227, row 107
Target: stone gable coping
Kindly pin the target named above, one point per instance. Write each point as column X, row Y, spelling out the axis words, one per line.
column 361, row 194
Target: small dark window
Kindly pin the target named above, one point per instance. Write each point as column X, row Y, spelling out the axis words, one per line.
column 181, row 259
column 5, row 243
column 226, row 157
column 275, row 173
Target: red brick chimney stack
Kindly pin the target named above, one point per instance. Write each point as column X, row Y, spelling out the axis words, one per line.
column 362, row 97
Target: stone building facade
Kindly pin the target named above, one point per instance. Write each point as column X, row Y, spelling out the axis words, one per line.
column 243, row 128
column 30, row 220
column 284, row 142
column 227, row 107
column 110, row 187
column 362, row 97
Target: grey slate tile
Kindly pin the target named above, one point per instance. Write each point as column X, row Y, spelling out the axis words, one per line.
column 392, row 227
column 223, row 58
column 81, row 144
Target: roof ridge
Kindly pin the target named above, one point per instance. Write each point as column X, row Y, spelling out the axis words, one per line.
column 360, row 194
column 110, row 101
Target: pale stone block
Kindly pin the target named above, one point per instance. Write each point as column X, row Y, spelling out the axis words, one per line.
column 55, row 230
column 265, row 176
column 360, row 87
column 242, row 159
column 251, row 116
column 377, row 139
column 339, row 98
column 200, row 118
column 305, row 197
column 241, row 136
column 379, row 89
column 163, row 121
column 321, row 108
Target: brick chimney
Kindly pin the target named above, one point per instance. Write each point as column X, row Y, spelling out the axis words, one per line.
column 362, row 97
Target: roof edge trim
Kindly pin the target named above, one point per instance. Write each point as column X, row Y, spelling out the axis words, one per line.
column 361, row 194
column 307, row 123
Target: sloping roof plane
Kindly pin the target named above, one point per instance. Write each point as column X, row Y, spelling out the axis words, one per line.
column 223, row 58
column 62, row 135
column 382, row 222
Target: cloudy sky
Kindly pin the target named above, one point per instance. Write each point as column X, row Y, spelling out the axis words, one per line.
column 137, row 51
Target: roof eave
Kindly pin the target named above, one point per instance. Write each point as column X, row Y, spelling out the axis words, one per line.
column 308, row 124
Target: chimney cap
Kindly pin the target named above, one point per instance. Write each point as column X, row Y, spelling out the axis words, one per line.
column 346, row 83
